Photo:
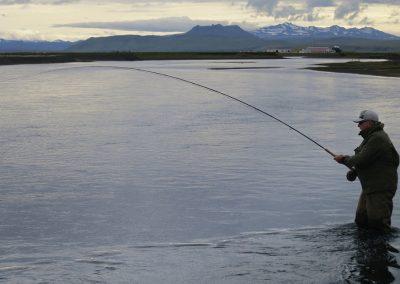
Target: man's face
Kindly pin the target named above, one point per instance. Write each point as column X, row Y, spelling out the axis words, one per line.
column 365, row 124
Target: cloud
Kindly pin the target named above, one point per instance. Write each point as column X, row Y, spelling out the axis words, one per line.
column 288, row 12
column 95, row 2
column 291, row 10
column 319, row 3
column 347, row 10
column 304, row 10
column 366, row 21
column 160, row 25
column 395, row 2
column 170, row 24
column 267, row 6
column 41, row 2
column 12, row 2
column 22, row 34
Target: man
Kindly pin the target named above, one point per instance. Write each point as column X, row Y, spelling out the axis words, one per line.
column 375, row 162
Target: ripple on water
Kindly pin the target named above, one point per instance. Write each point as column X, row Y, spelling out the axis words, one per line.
column 332, row 254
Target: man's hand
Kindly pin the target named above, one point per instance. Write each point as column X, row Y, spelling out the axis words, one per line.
column 339, row 158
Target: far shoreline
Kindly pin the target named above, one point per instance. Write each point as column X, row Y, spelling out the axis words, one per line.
column 389, row 68
column 43, row 57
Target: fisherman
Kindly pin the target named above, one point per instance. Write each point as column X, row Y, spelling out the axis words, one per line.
column 375, row 162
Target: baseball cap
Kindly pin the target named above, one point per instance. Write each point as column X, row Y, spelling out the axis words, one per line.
column 367, row 115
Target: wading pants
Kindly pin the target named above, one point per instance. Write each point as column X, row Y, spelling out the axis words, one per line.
column 374, row 210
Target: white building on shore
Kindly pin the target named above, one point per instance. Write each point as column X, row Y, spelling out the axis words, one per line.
column 317, row 49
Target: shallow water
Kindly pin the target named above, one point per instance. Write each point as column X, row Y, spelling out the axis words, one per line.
column 112, row 175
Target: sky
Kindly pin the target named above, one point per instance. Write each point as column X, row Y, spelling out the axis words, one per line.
column 80, row 19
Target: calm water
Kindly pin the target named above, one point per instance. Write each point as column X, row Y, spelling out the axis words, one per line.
column 112, row 175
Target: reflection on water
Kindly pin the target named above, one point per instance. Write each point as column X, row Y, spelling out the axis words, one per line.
column 374, row 255
column 336, row 254
column 117, row 176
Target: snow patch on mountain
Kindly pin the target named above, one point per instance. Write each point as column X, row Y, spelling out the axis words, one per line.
column 289, row 30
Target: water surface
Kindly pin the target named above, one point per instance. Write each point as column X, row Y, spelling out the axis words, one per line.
column 115, row 175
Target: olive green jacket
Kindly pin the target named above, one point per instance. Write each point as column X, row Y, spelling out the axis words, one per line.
column 376, row 161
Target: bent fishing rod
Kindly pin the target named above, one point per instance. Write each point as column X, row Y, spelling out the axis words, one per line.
column 212, row 90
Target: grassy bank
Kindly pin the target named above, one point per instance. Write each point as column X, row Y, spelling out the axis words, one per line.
column 389, row 68
column 37, row 58
column 349, row 55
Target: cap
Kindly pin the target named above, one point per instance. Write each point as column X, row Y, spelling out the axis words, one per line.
column 367, row 115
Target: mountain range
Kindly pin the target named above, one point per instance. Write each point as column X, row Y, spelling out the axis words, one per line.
column 220, row 38
column 290, row 31
column 33, row 46
column 199, row 39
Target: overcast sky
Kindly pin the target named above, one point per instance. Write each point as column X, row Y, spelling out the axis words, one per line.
column 80, row 19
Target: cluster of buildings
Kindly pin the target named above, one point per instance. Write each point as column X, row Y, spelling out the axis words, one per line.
column 310, row 49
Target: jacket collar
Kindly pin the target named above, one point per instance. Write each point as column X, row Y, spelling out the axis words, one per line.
column 367, row 132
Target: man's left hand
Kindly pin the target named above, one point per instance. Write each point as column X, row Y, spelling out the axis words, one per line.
column 340, row 158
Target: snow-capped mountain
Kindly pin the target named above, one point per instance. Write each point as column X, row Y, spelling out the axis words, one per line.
column 288, row 30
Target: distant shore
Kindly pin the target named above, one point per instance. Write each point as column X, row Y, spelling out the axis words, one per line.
column 390, row 68
column 41, row 58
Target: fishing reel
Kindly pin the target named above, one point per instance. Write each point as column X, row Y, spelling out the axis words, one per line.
column 351, row 175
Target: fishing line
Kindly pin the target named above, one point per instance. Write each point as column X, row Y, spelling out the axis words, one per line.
column 210, row 89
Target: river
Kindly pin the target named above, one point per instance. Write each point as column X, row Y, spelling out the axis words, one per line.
column 110, row 175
